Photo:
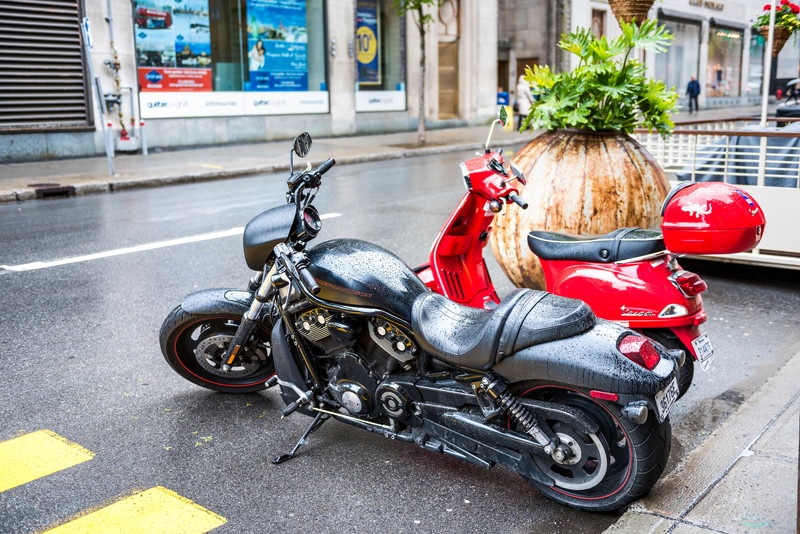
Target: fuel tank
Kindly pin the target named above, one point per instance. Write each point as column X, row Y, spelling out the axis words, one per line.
column 359, row 273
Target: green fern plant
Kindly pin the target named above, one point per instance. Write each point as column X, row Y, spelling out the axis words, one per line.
column 609, row 89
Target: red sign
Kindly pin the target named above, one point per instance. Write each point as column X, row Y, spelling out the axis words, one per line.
column 172, row 79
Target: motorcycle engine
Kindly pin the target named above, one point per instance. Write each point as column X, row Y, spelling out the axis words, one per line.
column 353, row 384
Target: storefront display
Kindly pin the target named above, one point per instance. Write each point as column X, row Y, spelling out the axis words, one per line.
column 196, row 59
column 380, row 57
column 724, row 70
column 680, row 62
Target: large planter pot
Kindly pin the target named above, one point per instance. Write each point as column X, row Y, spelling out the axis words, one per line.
column 779, row 38
column 579, row 182
column 630, row 10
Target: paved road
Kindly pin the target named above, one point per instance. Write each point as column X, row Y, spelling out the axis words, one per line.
column 79, row 356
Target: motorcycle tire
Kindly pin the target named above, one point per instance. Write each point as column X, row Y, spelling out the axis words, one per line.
column 671, row 341
column 615, row 466
column 194, row 345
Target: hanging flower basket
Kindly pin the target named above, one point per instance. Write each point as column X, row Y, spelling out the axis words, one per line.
column 786, row 23
column 631, row 11
column 779, row 38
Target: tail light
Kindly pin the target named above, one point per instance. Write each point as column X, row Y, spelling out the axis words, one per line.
column 690, row 284
column 640, row 351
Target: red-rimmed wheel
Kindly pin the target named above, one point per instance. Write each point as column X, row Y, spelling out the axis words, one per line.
column 194, row 346
column 606, row 470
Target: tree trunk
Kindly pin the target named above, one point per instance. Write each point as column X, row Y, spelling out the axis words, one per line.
column 421, row 123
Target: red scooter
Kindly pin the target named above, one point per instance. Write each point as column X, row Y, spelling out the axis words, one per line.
column 630, row 275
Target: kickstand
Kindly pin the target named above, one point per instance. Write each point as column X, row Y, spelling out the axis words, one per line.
column 315, row 424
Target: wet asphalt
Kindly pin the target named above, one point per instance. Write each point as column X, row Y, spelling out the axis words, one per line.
column 79, row 356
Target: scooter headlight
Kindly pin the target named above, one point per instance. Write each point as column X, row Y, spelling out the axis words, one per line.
column 673, row 310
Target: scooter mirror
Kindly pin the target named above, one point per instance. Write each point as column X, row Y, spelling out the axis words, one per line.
column 302, row 144
column 502, row 115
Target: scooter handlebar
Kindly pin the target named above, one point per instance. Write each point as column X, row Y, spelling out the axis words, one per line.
column 515, row 198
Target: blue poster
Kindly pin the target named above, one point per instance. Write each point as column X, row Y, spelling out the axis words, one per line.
column 367, row 43
column 277, row 44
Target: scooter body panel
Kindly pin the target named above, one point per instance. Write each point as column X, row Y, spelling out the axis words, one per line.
column 457, row 269
column 637, row 294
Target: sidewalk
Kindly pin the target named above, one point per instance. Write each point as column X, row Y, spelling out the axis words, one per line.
column 742, row 479
column 26, row 181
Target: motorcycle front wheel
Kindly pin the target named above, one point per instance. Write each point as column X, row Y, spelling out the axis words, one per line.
column 194, row 346
column 609, row 469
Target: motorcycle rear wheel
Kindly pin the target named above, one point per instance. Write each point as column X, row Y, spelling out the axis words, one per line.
column 194, row 345
column 615, row 466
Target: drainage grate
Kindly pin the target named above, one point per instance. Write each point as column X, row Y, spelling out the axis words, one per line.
column 53, row 190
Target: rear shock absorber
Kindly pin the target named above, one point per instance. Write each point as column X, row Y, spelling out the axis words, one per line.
column 527, row 420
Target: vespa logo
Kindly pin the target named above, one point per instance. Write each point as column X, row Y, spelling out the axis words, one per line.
column 154, row 76
column 634, row 312
column 696, row 210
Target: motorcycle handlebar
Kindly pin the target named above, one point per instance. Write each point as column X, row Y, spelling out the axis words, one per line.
column 325, row 166
column 513, row 197
column 308, row 279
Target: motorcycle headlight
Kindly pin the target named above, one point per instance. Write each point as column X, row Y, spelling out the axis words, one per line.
column 308, row 224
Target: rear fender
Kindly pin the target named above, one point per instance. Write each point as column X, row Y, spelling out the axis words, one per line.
column 589, row 361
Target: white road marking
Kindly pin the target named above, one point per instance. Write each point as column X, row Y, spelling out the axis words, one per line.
column 36, row 265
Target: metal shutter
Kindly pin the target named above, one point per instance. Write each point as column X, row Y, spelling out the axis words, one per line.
column 43, row 83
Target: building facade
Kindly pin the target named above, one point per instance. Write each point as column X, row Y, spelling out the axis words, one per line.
column 713, row 41
column 83, row 75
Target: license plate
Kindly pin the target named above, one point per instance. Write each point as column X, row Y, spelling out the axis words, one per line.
column 665, row 398
column 704, row 350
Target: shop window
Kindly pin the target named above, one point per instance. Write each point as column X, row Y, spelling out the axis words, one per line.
column 598, row 23
column 680, row 62
column 380, row 55
column 756, row 71
column 215, row 57
column 723, row 75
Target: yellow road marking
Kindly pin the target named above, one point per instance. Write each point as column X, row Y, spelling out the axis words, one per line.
column 154, row 511
column 36, row 455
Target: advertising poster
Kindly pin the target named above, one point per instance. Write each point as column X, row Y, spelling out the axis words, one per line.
column 367, row 42
column 277, row 44
column 173, row 45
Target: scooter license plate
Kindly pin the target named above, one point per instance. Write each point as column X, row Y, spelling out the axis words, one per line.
column 665, row 398
column 704, row 350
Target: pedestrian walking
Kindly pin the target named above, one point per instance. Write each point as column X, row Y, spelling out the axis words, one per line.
column 524, row 100
column 692, row 91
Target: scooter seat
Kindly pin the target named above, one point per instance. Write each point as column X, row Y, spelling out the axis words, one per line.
column 619, row 245
column 476, row 338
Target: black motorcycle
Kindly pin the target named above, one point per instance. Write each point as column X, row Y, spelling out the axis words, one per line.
column 577, row 405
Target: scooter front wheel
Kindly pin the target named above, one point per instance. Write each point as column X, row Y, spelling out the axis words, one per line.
column 609, row 469
column 195, row 344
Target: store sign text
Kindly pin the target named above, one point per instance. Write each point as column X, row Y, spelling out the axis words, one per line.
column 716, row 6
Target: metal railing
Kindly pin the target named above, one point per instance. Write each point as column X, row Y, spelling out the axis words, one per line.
column 765, row 162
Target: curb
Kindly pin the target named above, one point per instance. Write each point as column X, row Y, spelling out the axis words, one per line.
column 705, row 468
column 121, row 182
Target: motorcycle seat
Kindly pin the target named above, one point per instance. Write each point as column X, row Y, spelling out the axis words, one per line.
column 619, row 245
column 477, row 339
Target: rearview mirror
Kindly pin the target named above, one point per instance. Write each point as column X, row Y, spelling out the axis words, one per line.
column 502, row 115
column 302, row 144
